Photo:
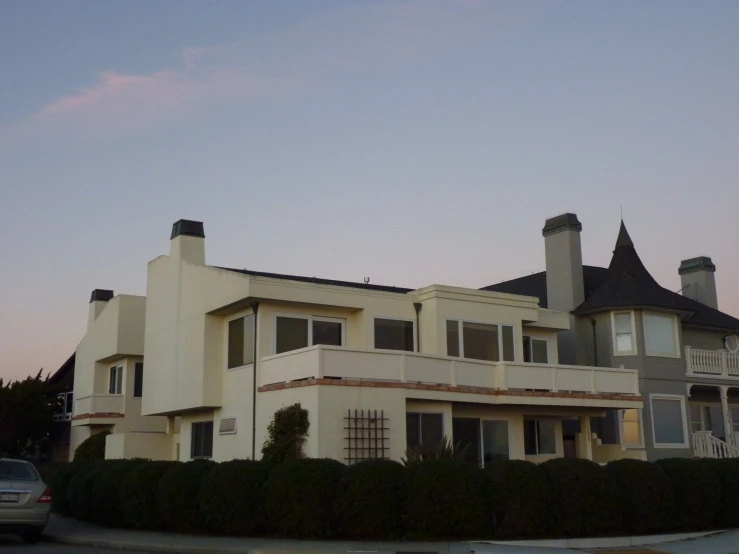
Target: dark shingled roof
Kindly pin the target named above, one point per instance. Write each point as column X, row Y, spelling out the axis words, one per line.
column 317, row 281
column 61, row 373
column 625, row 284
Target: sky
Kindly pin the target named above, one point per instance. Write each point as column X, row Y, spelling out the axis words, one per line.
column 411, row 141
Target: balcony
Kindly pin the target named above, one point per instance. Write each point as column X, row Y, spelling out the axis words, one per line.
column 100, row 405
column 409, row 367
column 711, row 363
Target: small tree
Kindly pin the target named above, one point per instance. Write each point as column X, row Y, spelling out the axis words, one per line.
column 92, row 448
column 26, row 409
column 287, row 433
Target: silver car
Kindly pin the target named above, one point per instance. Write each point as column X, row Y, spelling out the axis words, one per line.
column 25, row 500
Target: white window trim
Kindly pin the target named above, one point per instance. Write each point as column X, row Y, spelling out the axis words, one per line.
column 500, row 338
column 310, row 319
column 531, row 352
column 635, row 349
column 118, row 369
column 413, row 321
column 236, row 425
column 676, row 330
column 629, row 445
column 686, row 443
column 225, row 338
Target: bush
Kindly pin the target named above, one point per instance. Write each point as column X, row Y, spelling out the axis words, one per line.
column 232, row 497
column 178, row 491
column 287, row 432
column 727, row 470
column 106, row 489
column 300, row 497
column 645, row 495
column 79, row 490
column 586, row 497
column 520, row 499
column 444, row 499
column 369, row 501
column 59, row 485
column 92, row 448
column 138, row 495
column 697, row 491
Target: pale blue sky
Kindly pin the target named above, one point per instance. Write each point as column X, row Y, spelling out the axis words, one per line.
column 416, row 142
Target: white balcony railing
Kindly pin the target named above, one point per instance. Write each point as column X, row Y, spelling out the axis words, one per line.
column 383, row 365
column 705, row 445
column 713, row 363
column 99, row 404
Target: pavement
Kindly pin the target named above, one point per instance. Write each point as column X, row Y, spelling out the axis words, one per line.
column 67, row 531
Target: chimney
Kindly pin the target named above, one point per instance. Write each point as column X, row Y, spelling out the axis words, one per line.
column 565, row 288
column 188, row 241
column 98, row 300
column 698, row 279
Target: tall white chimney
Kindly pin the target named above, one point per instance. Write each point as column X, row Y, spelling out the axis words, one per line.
column 698, row 280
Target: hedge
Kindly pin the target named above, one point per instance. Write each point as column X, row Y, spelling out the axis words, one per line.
column 369, row 501
column 520, row 497
column 697, row 491
column 139, row 498
column 300, row 497
column 586, row 496
column 178, row 491
column 444, row 499
column 92, row 448
column 382, row 500
column 645, row 495
column 232, row 497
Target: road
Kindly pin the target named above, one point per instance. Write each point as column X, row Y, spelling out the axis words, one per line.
column 10, row 545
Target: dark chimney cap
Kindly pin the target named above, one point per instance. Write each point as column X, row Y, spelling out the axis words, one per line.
column 101, row 295
column 701, row 263
column 188, row 228
column 564, row 222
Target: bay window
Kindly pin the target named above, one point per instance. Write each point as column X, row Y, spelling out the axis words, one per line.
column 624, row 341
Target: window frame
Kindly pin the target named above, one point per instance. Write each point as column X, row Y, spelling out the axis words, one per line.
column 192, row 439
column 531, row 350
column 236, row 425
column 536, row 436
column 460, row 338
column 675, row 330
column 119, row 385
column 630, row 445
column 482, row 437
column 420, row 415
column 374, row 337
column 686, row 430
column 634, row 346
column 702, row 411
column 310, row 318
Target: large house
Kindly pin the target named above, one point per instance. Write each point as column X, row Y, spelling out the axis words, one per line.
column 685, row 349
column 379, row 369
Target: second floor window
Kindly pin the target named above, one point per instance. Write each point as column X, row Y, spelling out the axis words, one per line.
column 535, row 350
column 241, row 341
column 623, row 333
column 660, row 335
column 394, row 334
column 115, row 385
column 479, row 341
column 294, row 332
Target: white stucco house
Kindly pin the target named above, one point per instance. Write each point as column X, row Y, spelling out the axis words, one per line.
column 377, row 368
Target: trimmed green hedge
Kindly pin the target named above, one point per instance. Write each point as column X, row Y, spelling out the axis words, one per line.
column 383, row 500
column 92, row 448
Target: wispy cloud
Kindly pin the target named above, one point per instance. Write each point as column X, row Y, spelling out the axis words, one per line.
column 360, row 37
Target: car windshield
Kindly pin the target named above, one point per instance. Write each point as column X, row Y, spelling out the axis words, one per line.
column 16, row 471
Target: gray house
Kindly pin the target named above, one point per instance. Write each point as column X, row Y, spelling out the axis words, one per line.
column 686, row 350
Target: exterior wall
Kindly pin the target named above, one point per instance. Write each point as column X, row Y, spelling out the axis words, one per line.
column 154, row 446
column 708, row 340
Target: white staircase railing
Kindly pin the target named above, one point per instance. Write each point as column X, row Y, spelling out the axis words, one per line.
column 705, row 445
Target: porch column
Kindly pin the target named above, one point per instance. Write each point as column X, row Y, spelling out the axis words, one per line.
column 585, row 439
column 725, row 412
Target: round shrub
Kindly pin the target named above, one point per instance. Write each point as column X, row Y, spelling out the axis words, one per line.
column 92, row 448
column 178, row 493
column 300, row 497
column 444, row 499
column 727, row 470
column 232, row 497
column 520, row 498
column 369, row 501
column 138, row 496
column 80, row 487
column 105, row 492
column 697, row 491
column 586, row 498
column 645, row 496
column 59, row 488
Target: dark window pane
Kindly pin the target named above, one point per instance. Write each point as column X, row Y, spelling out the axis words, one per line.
column 292, row 334
column 667, row 415
column 119, row 382
column 432, row 429
column 545, row 430
column 412, row 430
column 138, row 380
column 249, row 324
column 202, row 440
column 539, row 354
column 236, row 342
column 392, row 334
column 111, row 386
column 480, row 341
column 467, row 434
column 59, row 404
column 452, row 338
column 527, row 350
column 70, row 402
column 508, row 354
column 495, row 440
column 327, row 332
column 529, row 436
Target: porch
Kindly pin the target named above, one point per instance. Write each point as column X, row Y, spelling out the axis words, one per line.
column 714, row 420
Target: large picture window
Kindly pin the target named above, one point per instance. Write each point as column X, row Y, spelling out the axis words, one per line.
column 201, row 445
column 241, row 341
column 394, row 334
column 293, row 332
column 660, row 335
column 479, row 341
column 669, row 426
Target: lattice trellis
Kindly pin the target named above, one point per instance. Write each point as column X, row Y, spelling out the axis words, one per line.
column 365, row 435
